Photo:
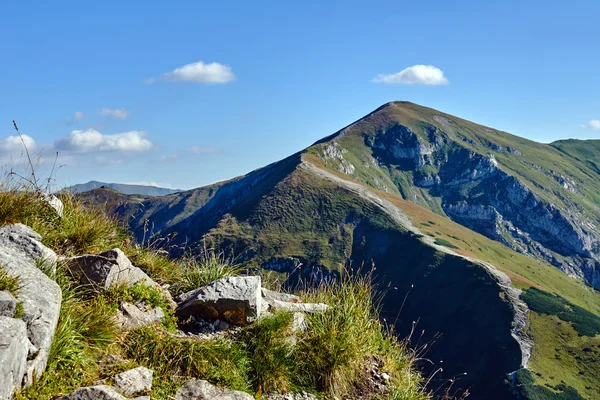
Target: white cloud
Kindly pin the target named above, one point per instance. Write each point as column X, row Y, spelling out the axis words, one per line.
column 201, row 149
column 119, row 113
column 199, row 72
column 15, row 143
column 415, row 75
column 90, row 140
column 78, row 116
column 593, row 124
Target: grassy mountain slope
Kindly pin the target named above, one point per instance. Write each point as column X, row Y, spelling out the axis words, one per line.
column 381, row 190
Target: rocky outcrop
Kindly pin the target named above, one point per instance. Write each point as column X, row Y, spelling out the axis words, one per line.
column 202, row 390
column 21, row 253
column 476, row 192
column 237, row 300
column 13, row 355
column 107, row 269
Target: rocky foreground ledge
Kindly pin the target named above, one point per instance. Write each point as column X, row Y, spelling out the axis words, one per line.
column 29, row 317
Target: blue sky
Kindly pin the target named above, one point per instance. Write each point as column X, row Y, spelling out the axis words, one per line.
column 286, row 74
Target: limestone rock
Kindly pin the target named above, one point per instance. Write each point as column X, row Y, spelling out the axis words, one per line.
column 107, row 269
column 300, row 307
column 20, row 254
column 54, row 202
column 299, row 322
column 134, row 381
column 13, row 355
column 270, row 295
column 236, row 300
column 100, row 392
column 202, row 390
column 132, row 316
column 20, row 241
column 8, row 304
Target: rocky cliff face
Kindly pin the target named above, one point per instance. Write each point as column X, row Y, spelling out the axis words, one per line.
column 480, row 193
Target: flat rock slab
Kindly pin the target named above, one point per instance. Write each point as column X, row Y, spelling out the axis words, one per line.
column 236, row 300
column 107, row 269
column 100, row 392
column 8, row 304
column 131, row 316
column 21, row 252
column 134, row 381
column 13, row 355
column 202, row 390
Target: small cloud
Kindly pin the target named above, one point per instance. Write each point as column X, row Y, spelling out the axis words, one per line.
column 90, row 140
column 119, row 113
column 415, row 75
column 78, row 116
column 16, row 143
column 593, row 124
column 201, row 150
column 199, row 72
column 170, row 157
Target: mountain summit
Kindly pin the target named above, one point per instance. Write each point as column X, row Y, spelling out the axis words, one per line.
column 476, row 230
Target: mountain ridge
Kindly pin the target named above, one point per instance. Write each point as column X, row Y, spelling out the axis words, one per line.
column 125, row 188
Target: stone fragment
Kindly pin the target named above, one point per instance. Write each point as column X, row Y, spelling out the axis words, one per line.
column 134, row 381
column 236, row 300
column 132, row 316
column 54, row 202
column 202, row 390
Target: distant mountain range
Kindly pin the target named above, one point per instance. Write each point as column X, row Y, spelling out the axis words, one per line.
column 487, row 244
column 144, row 190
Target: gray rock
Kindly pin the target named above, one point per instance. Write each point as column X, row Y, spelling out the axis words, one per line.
column 20, row 255
column 19, row 240
column 107, row 269
column 131, row 316
column 202, row 390
column 100, row 392
column 8, row 304
column 301, row 307
column 236, row 300
column 134, row 381
column 270, row 295
column 54, row 202
column 13, row 355
column 273, row 301
column 299, row 322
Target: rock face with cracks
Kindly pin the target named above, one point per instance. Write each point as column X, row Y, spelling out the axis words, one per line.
column 21, row 256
